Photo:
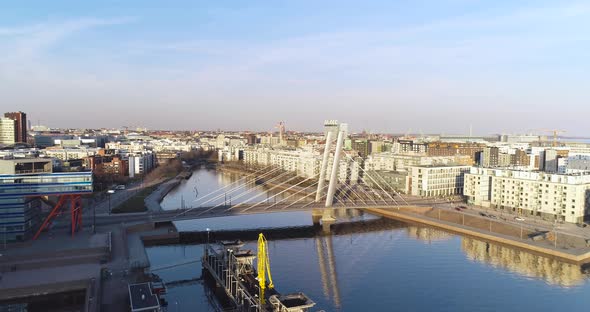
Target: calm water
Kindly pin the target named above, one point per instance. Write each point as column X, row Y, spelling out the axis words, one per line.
column 393, row 267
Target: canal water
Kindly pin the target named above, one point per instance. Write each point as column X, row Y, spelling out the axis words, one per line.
column 389, row 267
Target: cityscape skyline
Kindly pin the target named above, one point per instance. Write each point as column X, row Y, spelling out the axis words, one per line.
column 385, row 67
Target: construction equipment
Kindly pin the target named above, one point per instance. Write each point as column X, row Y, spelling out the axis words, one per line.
column 556, row 133
column 263, row 267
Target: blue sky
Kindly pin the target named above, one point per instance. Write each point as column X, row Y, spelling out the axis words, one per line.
column 383, row 66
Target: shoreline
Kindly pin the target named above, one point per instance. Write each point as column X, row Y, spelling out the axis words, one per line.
column 578, row 258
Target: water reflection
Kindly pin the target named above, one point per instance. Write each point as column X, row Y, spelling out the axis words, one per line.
column 403, row 263
column 428, row 234
column 552, row 271
column 208, row 187
column 327, row 264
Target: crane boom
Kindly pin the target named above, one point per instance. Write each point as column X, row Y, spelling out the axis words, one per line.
column 263, row 267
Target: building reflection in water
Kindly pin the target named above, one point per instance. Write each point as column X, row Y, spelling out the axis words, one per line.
column 427, row 234
column 552, row 271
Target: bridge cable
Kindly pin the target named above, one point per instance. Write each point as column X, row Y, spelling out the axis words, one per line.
column 243, row 193
column 279, row 193
column 217, row 197
column 238, row 187
column 231, row 184
column 267, row 191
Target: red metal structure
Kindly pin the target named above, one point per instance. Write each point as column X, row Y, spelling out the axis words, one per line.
column 75, row 201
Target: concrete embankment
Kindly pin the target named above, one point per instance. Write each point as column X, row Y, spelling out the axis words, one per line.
column 152, row 202
column 408, row 214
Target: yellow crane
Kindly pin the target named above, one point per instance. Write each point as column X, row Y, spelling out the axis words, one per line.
column 555, row 132
column 263, row 267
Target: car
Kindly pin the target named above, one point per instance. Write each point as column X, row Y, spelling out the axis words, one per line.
column 483, row 214
column 518, row 218
column 463, row 207
column 457, row 208
column 492, row 217
column 120, row 187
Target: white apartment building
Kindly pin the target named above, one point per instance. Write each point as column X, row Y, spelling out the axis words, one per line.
column 131, row 147
column 403, row 162
column 66, row 154
column 141, row 164
column 7, row 129
column 305, row 162
column 435, row 181
column 553, row 196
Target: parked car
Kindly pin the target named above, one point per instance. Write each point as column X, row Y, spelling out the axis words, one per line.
column 120, row 187
column 463, row 207
column 518, row 218
column 483, row 214
column 457, row 208
column 492, row 217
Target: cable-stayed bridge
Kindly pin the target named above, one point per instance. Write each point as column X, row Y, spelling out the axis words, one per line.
column 271, row 189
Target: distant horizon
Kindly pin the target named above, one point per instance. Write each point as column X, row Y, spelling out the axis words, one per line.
column 320, row 131
column 384, row 66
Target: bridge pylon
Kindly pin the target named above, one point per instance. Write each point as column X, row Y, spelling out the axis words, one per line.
column 324, row 167
column 335, row 167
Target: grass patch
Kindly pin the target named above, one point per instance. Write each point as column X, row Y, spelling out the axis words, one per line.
column 136, row 202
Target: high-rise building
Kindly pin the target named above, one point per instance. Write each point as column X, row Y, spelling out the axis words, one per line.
column 548, row 160
column 490, row 157
column 7, row 130
column 20, row 134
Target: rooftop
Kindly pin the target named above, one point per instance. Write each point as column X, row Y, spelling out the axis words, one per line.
column 142, row 298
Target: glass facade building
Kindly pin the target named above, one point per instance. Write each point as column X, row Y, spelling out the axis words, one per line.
column 20, row 206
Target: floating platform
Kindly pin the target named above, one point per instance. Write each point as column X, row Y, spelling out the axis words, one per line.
column 230, row 272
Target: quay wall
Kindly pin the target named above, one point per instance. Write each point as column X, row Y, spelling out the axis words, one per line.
column 388, row 213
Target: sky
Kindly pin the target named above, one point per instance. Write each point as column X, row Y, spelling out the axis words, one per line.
column 381, row 66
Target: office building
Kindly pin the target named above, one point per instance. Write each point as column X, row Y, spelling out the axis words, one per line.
column 22, row 181
column 20, row 119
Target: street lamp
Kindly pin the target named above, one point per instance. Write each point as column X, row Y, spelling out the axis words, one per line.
column 208, row 230
column 93, row 218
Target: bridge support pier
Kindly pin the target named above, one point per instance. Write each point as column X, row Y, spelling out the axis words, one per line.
column 327, row 221
column 323, row 217
column 316, row 216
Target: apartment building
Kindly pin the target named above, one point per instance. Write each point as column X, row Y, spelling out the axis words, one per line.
column 402, row 162
column 551, row 196
column 436, row 181
column 305, row 162
column 7, row 131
